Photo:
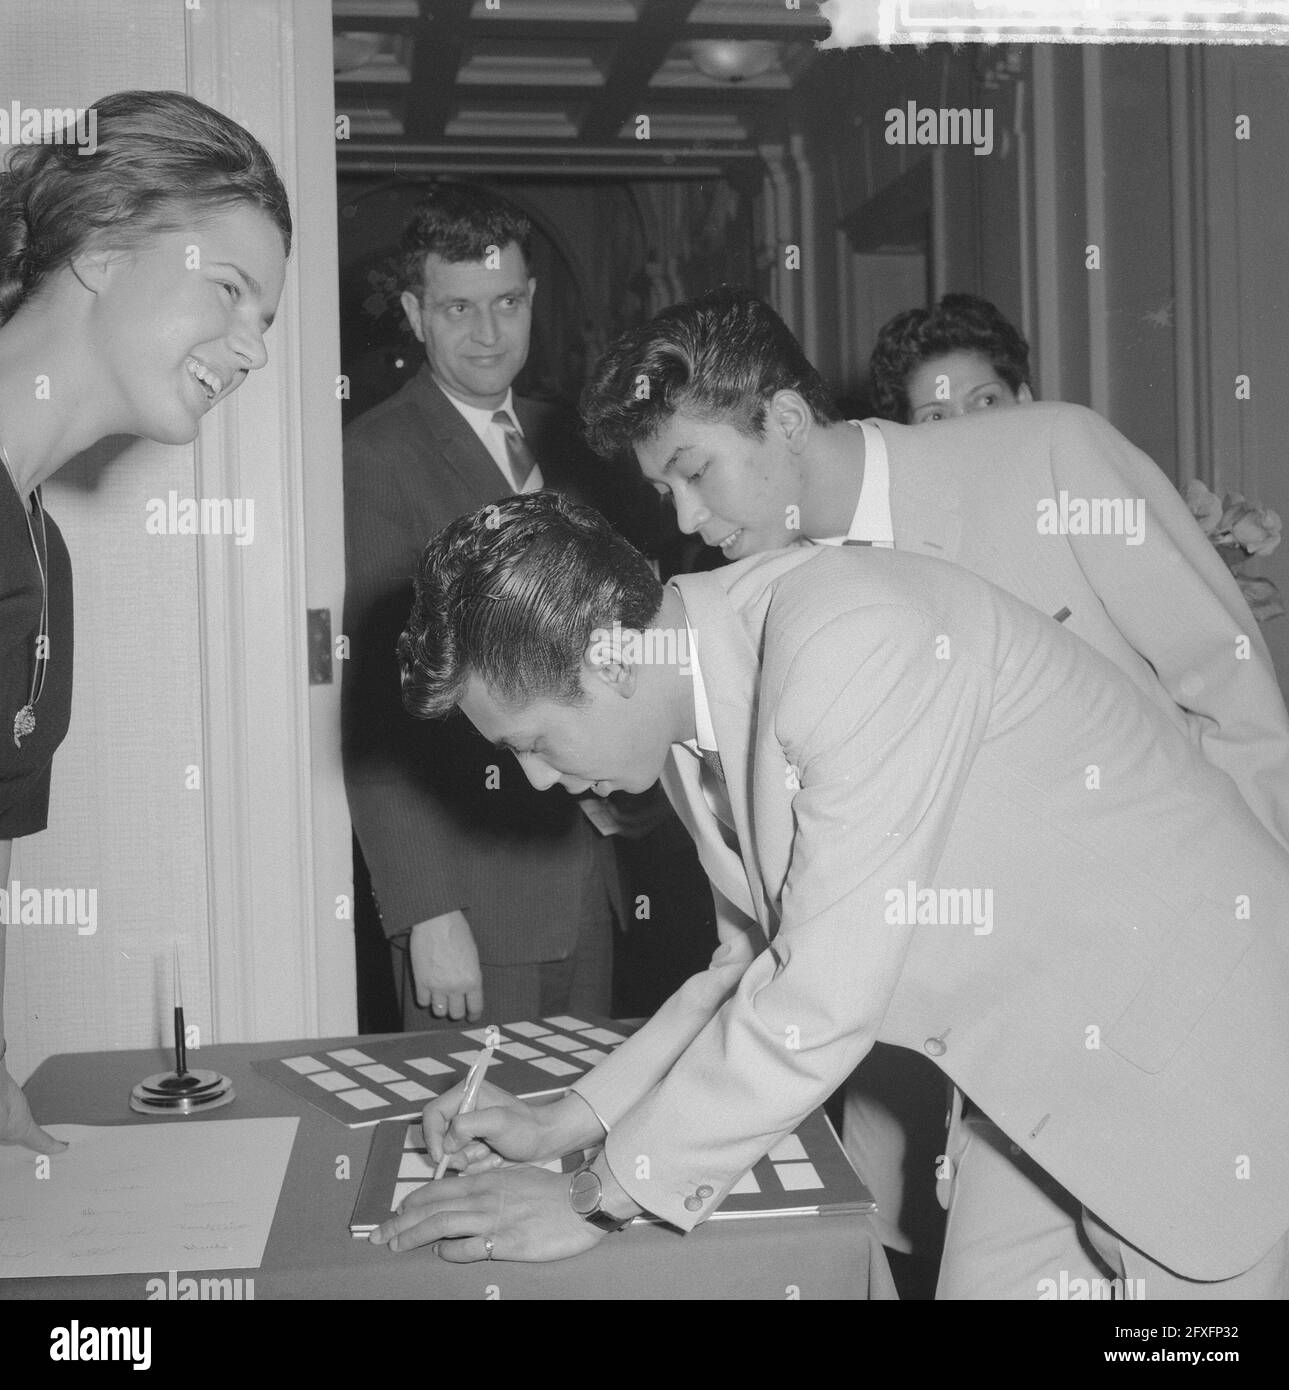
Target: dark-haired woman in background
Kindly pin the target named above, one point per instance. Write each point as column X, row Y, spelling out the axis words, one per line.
column 136, row 285
column 959, row 357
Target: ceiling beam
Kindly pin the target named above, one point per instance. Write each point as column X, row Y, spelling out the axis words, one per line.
column 643, row 152
column 495, row 25
column 546, row 159
column 544, row 94
column 626, row 87
column 438, row 41
column 444, row 32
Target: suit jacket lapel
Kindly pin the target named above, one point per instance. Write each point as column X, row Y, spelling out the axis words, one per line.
column 730, row 674
column 461, row 448
column 557, row 454
column 682, row 780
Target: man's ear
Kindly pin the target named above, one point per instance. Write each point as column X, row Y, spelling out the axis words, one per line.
column 611, row 658
column 1023, row 394
column 532, row 287
column 791, row 418
column 412, row 308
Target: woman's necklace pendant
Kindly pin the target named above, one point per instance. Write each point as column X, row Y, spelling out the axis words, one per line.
column 24, row 723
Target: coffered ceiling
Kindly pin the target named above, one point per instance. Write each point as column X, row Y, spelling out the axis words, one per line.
column 560, row 87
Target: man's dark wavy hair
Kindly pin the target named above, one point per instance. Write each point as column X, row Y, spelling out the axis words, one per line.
column 959, row 323
column 512, row 594
column 459, row 222
column 720, row 357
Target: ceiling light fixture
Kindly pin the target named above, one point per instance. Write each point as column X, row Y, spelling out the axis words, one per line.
column 733, row 60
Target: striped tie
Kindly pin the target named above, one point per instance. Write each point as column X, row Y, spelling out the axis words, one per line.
column 717, row 795
column 522, row 462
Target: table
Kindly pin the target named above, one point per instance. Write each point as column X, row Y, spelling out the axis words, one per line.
column 310, row 1253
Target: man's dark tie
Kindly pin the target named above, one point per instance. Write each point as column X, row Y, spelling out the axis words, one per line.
column 712, row 759
column 712, row 780
column 522, row 462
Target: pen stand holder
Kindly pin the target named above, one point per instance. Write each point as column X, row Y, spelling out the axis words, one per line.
column 172, row 1093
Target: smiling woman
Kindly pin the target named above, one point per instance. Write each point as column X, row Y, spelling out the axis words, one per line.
column 138, row 276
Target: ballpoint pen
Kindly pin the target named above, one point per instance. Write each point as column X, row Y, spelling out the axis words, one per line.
column 474, row 1079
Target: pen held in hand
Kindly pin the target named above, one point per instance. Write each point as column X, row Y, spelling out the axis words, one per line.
column 469, row 1097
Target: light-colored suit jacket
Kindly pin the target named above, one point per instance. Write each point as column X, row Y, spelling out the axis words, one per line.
column 890, row 725
column 1166, row 611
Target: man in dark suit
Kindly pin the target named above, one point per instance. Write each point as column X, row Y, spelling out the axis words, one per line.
column 491, row 895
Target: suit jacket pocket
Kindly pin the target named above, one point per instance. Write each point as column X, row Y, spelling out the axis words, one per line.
column 1191, row 969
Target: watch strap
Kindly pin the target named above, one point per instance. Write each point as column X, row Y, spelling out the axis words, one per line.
column 597, row 1216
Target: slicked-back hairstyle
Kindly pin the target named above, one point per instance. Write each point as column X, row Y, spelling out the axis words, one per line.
column 511, row 594
column 162, row 160
column 460, row 222
column 720, row 357
column 959, row 323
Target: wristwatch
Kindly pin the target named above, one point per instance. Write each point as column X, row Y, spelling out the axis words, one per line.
column 585, row 1195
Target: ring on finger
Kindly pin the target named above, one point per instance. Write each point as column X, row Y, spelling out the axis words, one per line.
column 488, row 1246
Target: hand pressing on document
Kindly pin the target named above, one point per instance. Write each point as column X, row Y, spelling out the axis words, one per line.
column 16, row 1123
column 518, row 1213
column 445, row 967
column 523, row 1211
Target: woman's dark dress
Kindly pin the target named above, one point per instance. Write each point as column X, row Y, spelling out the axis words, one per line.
column 24, row 771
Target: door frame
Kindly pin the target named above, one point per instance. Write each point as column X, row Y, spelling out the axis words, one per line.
column 279, row 866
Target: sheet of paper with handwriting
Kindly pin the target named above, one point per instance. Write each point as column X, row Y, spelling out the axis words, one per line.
column 143, row 1198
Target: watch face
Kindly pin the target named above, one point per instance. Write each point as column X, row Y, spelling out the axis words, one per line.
column 584, row 1192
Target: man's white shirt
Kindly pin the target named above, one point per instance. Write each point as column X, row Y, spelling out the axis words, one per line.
column 493, row 438
column 872, row 519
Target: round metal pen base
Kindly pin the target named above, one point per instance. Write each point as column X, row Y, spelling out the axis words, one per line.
column 168, row 1093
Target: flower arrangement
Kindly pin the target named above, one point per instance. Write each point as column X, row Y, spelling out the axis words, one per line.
column 1239, row 532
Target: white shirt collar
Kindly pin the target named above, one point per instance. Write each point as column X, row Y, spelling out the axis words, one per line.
column 872, row 519
column 492, row 437
column 703, row 727
column 480, row 420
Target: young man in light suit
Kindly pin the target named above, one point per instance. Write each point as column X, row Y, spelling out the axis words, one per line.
column 739, row 430
column 884, row 725
column 737, row 427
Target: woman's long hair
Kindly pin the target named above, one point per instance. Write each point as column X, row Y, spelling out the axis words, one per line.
column 162, row 158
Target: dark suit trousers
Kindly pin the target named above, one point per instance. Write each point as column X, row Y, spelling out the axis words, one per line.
column 579, row 984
